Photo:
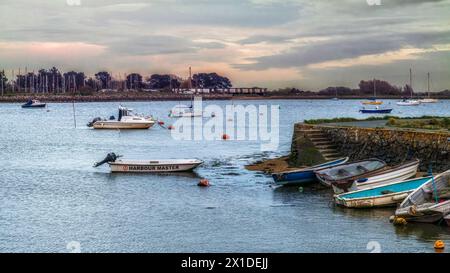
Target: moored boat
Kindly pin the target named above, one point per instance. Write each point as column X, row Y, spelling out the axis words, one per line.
column 428, row 204
column 394, row 174
column 350, row 171
column 126, row 120
column 149, row 166
column 34, row 104
column 376, row 111
column 380, row 196
column 305, row 175
column 184, row 112
column 372, row 102
column 406, row 102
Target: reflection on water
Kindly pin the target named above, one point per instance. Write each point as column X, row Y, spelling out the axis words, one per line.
column 51, row 195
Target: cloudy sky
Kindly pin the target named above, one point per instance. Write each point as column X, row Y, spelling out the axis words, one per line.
column 271, row 43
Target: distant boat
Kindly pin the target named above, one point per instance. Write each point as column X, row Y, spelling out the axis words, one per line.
column 34, row 104
column 350, row 171
column 305, row 175
column 381, row 196
column 184, row 112
column 429, row 99
column 411, row 101
column 395, row 174
column 149, row 166
column 376, row 111
column 374, row 100
column 126, row 120
column 428, row 204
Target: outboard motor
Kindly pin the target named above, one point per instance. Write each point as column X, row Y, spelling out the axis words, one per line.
column 90, row 124
column 111, row 157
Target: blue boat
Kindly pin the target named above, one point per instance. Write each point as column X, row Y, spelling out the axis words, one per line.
column 381, row 196
column 34, row 104
column 305, row 175
column 375, row 111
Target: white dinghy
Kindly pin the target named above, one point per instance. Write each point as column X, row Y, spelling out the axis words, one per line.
column 149, row 166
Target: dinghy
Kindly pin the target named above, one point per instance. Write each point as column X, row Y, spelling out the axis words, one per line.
column 395, row 174
column 305, row 175
column 127, row 120
column 381, row 196
column 447, row 219
column 149, row 166
column 350, row 171
column 34, row 104
column 429, row 203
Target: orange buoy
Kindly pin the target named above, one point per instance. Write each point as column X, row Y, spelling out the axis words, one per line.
column 203, row 183
column 171, row 127
column 225, row 137
column 161, row 122
column 439, row 245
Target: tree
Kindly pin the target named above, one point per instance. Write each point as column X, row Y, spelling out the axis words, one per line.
column 74, row 80
column 157, row 81
column 104, row 79
column 210, row 80
column 134, row 81
column 382, row 88
column 3, row 82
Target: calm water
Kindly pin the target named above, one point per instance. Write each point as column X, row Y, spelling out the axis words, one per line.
column 51, row 195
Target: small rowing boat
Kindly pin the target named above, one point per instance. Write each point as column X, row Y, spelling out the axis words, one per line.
column 149, row 166
column 381, row 196
column 428, row 204
column 447, row 219
column 34, row 104
column 305, row 175
column 395, row 174
column 350, row 171
column 127, row 120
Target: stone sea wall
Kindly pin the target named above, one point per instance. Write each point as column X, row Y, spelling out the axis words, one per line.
column 392, row 145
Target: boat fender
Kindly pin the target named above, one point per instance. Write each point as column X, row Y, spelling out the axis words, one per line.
column 225, row 137
column 399, row 221
column 161, row 123
column 412, row 211
column 439, row 245
column 203, row 183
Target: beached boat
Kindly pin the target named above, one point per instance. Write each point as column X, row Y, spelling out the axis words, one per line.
column 394, row 174
column 381, row 196
column 350, row 171
column 126, row 120
column 149, row 166
column 376, row 111
column 447, row 219
column 305, row 175
column 428, row 204
column 34, row 104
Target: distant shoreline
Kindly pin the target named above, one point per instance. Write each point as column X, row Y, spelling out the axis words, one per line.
column 172, row 97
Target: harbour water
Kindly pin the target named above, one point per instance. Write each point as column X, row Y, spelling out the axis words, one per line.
column 51, row 196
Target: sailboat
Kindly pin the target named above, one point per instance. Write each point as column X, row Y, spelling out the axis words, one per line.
column 429, row 99
column 411, row 101
column 373, row 101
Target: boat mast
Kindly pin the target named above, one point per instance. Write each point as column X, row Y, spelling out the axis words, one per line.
column 429, row 95
column 374, row 88
column 410, row 82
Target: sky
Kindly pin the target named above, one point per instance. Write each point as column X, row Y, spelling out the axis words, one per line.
column 267, row 43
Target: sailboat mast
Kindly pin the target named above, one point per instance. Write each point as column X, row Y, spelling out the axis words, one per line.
column 410, row 82
column 374, row 88
column 429, row 95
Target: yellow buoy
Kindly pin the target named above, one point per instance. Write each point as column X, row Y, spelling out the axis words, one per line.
column 439, row 245
column 399, row 221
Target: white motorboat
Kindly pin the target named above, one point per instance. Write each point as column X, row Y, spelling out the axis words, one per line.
column 149, row 166
column 184, row 112
column 406, row 102
column 394, row 174
column 127, row 120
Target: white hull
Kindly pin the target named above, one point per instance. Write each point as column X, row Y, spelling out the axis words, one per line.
column 384, row 178
column 154, row 166
column 370, row 202
column 408, row 103
column 123, row 125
